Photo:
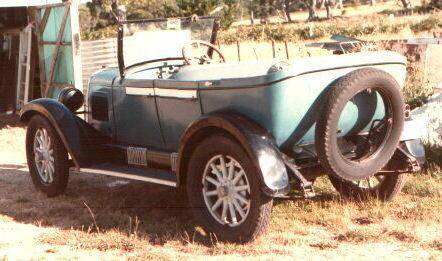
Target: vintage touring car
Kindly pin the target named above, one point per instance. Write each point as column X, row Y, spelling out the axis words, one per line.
column 232, row 135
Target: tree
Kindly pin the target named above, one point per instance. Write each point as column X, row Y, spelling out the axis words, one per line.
column 312, row 14
column 340, row 4
column 287, row 4
column 228, row 10
column 328, row 6
column 407, row 4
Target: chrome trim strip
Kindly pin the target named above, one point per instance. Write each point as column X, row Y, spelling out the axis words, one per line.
column 176, row 93
column 126, row 176
column 143, row 91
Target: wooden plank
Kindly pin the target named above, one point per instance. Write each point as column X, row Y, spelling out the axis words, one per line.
column 44, row 20
column 51, row 5
column 76, row 45
column 56, row 43
column 57, row 50
column 28, row 65
column 60, row 85
column 39, row 35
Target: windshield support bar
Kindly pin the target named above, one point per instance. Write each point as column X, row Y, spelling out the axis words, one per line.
column 120, row 37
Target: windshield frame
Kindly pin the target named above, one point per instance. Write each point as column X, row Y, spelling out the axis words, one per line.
column 120, row 39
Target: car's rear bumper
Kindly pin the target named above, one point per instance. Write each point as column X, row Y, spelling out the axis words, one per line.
column 413, row 129
column 410, row 154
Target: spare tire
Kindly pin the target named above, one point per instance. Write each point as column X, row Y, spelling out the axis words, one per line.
column 357, row 165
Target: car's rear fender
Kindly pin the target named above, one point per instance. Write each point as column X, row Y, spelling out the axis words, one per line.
column 77, row 136
column 256, row 141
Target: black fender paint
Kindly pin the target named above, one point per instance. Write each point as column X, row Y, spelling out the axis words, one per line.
column 257, row 142
column 78, row 137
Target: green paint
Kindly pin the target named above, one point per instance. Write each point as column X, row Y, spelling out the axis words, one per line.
column 64, row 67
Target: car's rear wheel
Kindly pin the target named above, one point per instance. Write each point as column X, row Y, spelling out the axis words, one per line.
column 47, row 157
column 224, row 192
column 381, row 186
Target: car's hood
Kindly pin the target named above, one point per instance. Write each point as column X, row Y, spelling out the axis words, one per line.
column 105, row 77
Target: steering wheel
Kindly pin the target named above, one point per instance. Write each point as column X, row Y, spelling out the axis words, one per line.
column 201, row 52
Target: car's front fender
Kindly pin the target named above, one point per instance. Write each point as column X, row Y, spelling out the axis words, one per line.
column 75, row 133
column 256, row 141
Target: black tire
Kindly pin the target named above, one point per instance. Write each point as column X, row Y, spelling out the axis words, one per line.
column 386, row 190
column 60, row 176
column 326, row 136
column 257, row 220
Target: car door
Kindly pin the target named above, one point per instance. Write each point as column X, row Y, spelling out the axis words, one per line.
column 135, row 112
column 178, row 106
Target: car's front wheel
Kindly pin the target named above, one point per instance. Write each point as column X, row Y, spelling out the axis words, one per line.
column 224, row 192
column 47, row 157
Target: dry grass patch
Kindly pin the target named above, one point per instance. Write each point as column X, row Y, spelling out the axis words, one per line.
column 110, row 240
column 135, row 220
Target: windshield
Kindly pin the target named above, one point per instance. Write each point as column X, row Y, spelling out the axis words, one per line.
column 147, row 40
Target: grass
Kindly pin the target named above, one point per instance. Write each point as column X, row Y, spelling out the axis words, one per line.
column 101, row 218
column 326, row 224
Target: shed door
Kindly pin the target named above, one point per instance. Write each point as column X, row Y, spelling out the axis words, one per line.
column 8, row 70
column 58, row 35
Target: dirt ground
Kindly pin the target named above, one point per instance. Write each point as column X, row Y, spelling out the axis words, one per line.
column 109, row 218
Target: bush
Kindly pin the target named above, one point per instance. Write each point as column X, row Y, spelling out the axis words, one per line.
column 310, row 31
column 431, row 23
column 417, row 87
column 433, row 156
column 228, row 10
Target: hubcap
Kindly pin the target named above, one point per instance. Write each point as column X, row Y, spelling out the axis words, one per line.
column 43, row 152
column 226, row 190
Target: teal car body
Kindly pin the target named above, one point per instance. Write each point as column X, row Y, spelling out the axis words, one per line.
column 282, row 97
column 156, row 107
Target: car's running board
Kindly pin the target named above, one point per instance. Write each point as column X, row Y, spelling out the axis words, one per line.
column 156, row 176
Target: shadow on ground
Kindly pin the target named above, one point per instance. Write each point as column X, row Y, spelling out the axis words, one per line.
column 10, row 121
column 163, row 213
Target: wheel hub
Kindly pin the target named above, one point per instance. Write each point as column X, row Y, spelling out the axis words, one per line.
column 226, row 190
column 44, row 160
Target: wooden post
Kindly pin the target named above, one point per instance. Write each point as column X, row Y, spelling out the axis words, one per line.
column 39, row 30
column 287, row 50
column 273, row 49
column 238, row 50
